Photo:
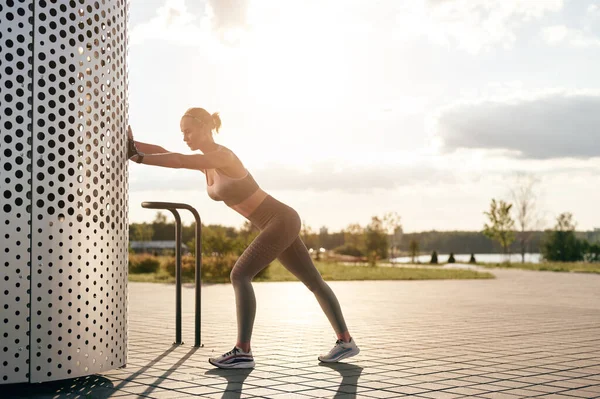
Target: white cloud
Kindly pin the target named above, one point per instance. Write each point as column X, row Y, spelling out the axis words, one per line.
column 228, row 14
column 470, row 25
column 585, row 35
column 560, row 34
column 547, row 125
column 173, row 22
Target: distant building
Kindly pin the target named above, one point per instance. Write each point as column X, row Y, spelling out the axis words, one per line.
column 157, row 247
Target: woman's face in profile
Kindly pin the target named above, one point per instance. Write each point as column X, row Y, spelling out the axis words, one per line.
column 194, row 133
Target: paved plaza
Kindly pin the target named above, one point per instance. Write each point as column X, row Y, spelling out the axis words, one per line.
column 523, row 334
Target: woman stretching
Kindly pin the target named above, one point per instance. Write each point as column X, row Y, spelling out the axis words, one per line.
column 229, row 181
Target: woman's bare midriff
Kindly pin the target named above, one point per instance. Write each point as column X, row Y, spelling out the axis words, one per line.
column 249, row 205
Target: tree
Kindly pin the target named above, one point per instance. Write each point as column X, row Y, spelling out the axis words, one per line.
column 160, row 218
column 308, row 236
column 215, row 241
column 414, row 249
column 141, row 232
column 354, row 239
column 591, row 252
column 391, row 222
column 353, row 234
column 434, row 258
column 524, row 195
column 162, row 229
column 323, row 236
column 451, row 258
column 246, row 234
column 561, row 244
column 376, row 240
column 501, row 226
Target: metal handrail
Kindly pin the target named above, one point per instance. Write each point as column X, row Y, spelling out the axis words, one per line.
column 172, row 207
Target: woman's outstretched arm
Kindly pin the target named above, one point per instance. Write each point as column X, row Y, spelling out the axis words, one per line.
column 158, row 156
column 213, row 160
column 147, row 148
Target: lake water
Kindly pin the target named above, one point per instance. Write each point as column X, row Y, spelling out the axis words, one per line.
column 464, row 258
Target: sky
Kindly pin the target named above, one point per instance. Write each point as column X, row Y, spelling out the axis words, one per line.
column 348, row 109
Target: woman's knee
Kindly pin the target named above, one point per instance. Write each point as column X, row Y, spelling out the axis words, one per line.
column 237, row 276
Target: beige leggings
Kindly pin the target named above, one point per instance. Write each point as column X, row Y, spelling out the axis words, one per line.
column 278, row 239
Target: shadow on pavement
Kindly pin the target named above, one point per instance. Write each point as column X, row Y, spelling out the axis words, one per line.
column 235, row 381
column 163, row 376
column 91, row 386
column 350, row 374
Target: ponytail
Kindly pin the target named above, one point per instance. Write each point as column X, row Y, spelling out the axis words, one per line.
column 216, row 121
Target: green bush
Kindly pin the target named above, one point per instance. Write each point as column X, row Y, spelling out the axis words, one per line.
column 348, row 249
column 188, row 266
column 214, row 269
column 592, row 252
column 473, row 260
column 451, row 258
column 218, row 268
column 143, row 264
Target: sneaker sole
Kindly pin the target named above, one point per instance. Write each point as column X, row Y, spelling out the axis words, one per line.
column 243, row 365
column 341, row 357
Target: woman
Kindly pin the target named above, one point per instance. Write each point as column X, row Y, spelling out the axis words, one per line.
column 229, row 181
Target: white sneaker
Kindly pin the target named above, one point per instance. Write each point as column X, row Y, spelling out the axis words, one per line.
column 341, row 350
column 234, row 359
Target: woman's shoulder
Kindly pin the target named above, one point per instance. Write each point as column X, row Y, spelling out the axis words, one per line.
column 237, row 168
column 221, row 147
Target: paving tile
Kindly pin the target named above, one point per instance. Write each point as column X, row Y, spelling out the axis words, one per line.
column 465, row 391
column 198, row 390
column 581, row 393
column 287, row 395
column 257, row 391
column 375, row 384
column 568, row 384
column 297, row 388
column 164, row 394
column 545, row 388
column 407, row 390
column 511, row 384
column 225, row 395
column 441, row 395
column 379, row 394
column 523, row 392
column 499, row 395
column 265, row 383
column 320, row 384
column 593, row 388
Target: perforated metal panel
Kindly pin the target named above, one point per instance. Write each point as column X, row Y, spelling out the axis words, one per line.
column 15, row 189
column 65, row 147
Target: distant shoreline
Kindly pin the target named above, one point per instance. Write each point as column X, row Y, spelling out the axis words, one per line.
column 479, row 257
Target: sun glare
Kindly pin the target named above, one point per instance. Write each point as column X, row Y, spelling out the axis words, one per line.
column 297, row 56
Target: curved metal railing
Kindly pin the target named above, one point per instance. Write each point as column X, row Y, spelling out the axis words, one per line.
column 172, row 207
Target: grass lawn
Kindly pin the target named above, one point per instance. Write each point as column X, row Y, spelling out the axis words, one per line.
column 338, row 272
column 574, row 267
